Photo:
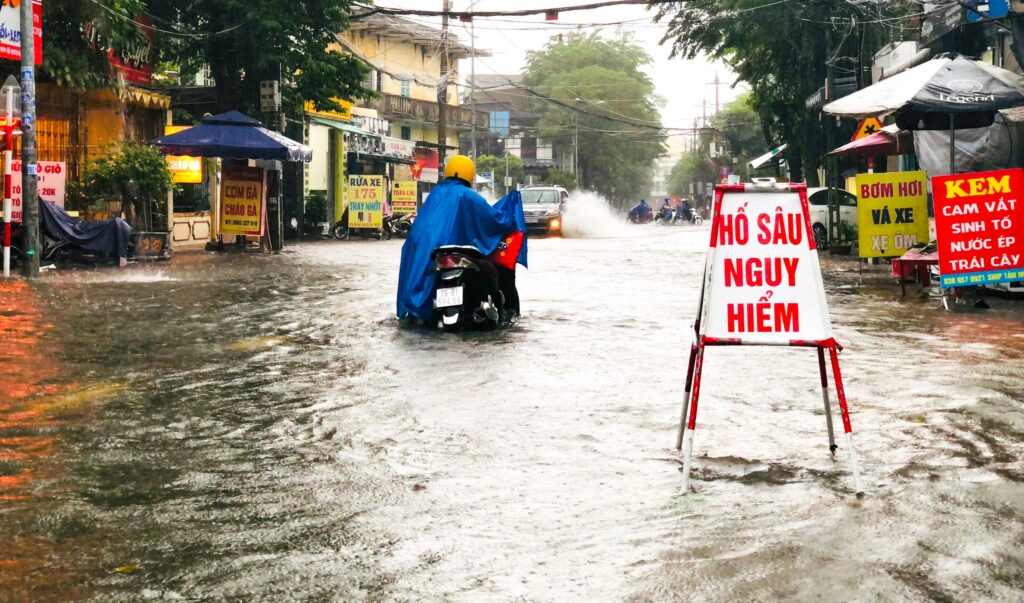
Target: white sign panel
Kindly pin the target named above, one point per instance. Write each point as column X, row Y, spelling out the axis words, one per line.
column 764, row 280
column 397, row 147
column 51, row 184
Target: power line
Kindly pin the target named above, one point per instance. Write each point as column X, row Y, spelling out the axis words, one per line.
column 168, row 32
column 452, row 14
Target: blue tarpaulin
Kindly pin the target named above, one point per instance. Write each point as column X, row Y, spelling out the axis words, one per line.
column 233, row 135
column 453, row 214
column 109, row 237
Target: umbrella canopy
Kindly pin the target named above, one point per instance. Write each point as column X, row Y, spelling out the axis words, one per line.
column 890, row 140
column 950, row 87
column 233, row 135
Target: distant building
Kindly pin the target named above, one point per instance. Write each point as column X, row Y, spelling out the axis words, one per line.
column 395, row 134
column 512, row 122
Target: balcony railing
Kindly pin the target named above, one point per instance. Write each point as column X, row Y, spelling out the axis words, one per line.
column 391, row 106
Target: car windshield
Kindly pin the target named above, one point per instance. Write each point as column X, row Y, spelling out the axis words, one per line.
column 540, row 196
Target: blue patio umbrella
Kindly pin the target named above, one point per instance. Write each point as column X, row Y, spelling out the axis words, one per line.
column 233, row 135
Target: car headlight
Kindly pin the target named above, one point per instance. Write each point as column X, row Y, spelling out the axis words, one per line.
column 555, row 224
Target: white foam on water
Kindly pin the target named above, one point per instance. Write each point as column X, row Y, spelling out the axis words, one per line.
column 588, row 215
column 122, row 275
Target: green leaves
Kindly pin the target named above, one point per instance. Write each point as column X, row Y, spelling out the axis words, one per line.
column 244, row 42
column 593, row 90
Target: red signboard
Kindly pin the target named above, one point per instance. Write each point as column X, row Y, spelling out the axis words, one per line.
column 10, row 30
column 135, row 61
column 979, row 224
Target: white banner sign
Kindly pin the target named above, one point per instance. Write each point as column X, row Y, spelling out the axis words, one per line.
column 51, row 182
column 765, row 282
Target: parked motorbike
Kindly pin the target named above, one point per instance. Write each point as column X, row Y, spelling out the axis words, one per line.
column 472, row 291
column 342, row 232
column 397, row 226
column 64, row 239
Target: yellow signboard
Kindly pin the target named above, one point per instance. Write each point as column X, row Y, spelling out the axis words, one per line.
column 867, row 127
column 241, row 200
column 345, row 114
column 365, row 201
column 184, row 169
column 403, row 196
column 892, row 213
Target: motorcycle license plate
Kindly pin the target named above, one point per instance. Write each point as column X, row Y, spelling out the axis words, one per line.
column 447, row 297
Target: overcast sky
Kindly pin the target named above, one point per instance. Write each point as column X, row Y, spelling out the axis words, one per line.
column 683, row 84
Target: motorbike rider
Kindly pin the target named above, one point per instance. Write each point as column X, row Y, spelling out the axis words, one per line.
column 454, row 214
column 685, row 210
column 666, row 211
column 640, row 211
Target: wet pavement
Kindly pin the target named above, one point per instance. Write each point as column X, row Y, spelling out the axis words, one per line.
column 259, row 428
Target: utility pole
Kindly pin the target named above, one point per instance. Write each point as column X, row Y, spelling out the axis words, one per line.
column 29, row 204
column 472, row 83
column 442, row 94
column 10, row 92
column 576, row 147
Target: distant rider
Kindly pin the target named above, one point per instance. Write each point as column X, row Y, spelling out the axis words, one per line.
column 666, row 211
column 640, row 211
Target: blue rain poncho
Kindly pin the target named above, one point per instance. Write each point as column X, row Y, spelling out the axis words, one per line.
column 453, row 214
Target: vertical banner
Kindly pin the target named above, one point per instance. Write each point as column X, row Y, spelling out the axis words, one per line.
column 403, row 196
column 892, row 213
column 979, row 224
column 365, row 201
column 242, row 196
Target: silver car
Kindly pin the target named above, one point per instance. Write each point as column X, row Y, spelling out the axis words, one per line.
column 543, row 207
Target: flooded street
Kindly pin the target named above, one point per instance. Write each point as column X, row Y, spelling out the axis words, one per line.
column 260, row 428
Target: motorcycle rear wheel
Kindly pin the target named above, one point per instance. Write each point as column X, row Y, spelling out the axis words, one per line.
column 339, row 231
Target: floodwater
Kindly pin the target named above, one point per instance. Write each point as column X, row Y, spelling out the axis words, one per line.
column 259, row 428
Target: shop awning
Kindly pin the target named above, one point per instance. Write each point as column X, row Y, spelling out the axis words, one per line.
column 340, row 125
column 763, row 160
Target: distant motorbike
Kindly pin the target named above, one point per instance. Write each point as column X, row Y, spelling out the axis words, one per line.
column 665, row 216
column 472, row 291
column 641, row 218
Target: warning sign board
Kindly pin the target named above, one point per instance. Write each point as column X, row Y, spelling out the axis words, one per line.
column 867, row 127
column 765, row 282
column 979, row 224
column 762, row 286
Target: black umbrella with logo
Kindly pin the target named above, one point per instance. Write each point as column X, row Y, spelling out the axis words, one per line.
column 949, row 92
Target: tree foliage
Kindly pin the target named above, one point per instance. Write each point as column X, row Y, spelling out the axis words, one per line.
column 597, row 86
column 782, row 51
column 559, row 178
column 77, row 35
column 491, row 163
column 691, row 168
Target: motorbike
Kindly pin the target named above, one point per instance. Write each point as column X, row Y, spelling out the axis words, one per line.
column 397, row 226
column 472, row 291
column 63, row 238
column 642, row 218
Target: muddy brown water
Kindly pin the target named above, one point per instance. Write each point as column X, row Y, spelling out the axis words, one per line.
column 258, row 428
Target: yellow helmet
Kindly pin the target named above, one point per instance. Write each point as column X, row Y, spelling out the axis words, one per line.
column 460, row 166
